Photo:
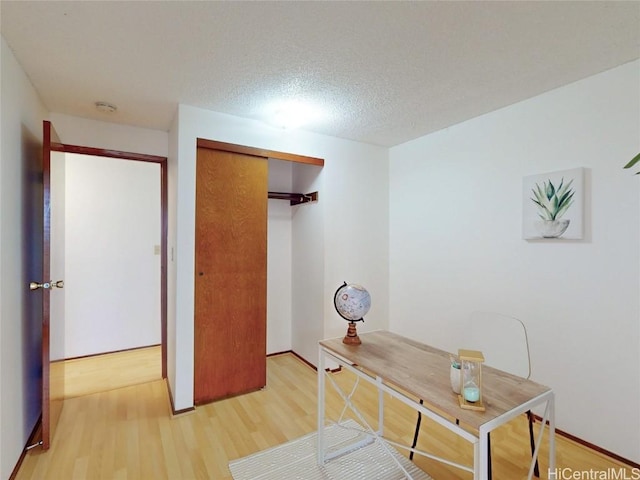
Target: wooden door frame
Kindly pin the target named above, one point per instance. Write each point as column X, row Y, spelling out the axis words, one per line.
column 265, row 154
column 164, row 228
column 258, row 152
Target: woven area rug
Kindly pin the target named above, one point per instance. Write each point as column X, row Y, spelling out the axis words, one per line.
column 298, row 460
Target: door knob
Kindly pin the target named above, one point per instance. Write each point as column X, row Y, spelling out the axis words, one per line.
column 46, row 285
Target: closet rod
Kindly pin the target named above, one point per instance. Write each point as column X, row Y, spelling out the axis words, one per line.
column 295, row 198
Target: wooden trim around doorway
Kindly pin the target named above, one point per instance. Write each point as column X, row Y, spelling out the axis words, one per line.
column 164, row 222
column 104, row 152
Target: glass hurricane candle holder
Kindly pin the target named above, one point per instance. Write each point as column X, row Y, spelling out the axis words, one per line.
column 454, row 376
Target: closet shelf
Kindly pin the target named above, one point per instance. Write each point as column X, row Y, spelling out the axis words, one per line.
column 295, row 198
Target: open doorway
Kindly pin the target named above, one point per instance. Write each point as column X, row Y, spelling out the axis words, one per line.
column 107, row 243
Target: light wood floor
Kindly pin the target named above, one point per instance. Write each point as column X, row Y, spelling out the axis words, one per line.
column 100, row 373
column 129, row 433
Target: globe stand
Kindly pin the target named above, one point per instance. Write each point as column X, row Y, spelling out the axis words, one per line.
column 352, row 338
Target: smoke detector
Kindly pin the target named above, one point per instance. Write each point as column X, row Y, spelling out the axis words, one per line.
column 106, row 107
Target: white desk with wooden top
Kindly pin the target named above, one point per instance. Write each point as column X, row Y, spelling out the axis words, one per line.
column 411, row 371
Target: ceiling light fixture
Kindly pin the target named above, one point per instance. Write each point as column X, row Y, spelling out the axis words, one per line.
column 106, row 107
column 293, row 114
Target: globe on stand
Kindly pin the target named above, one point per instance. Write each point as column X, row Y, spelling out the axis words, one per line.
column 352, row 302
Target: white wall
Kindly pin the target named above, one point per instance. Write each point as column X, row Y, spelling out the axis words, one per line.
column 21, row 115
column 356, row 231
column 92, row 133
column 353, row 230
column 279, row 259
column 308, row 259
column 111, row 219
column 456, row 246
column 172, row 274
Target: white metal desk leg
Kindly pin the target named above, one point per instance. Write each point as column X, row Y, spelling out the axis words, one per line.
column 483, row 453
column 552, row 433
column 321, row 382
column 380, row 407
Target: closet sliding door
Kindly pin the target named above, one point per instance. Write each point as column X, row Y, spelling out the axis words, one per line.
column 230, row 274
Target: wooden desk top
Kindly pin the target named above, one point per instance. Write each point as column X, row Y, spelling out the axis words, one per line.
column 423, row 372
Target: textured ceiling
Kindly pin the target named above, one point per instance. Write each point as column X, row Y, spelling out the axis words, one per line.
column 384, row 72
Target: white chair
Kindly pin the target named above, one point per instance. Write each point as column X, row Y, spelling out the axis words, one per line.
column 504, row 343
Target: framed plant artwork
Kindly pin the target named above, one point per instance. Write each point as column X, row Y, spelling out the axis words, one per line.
column 553, row 204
